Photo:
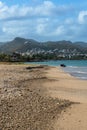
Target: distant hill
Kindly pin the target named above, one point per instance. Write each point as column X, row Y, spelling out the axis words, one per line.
column 1, row 43
column 82, row 44
column 24, row 45
column 19, row 44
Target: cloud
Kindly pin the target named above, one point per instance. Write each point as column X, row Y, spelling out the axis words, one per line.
column 14, row 11
column 69, row 21
column 40, row 28
column 44, row 21
column 3, row 9
column 82, row 18
column 45, row 9
column 59, row 31
column 17, row 27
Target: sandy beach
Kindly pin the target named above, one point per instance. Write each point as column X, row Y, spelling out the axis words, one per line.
column 41, row 98
column 68, row 87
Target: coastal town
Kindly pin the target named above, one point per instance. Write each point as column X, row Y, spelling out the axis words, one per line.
column 59, row 53
column 41, row 55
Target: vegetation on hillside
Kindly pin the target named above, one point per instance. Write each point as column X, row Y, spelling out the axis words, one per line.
column 15, row 57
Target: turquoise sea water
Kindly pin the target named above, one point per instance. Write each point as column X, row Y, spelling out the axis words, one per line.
column 77, row 68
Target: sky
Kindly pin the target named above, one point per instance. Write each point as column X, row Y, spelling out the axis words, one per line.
column 43, row 20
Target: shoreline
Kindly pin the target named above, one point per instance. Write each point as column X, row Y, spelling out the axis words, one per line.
column 64, row 82
column 73, row 89
column 76, row 68
column 33, row 97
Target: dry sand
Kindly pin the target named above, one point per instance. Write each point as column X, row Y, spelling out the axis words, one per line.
column 38, row 99
column 68, row 87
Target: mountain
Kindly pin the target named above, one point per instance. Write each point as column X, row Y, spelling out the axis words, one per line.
column 1, row 43
column 24, row 45
column 82, row 44
column 19, row 44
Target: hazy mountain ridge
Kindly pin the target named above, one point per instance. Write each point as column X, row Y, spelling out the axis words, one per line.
column 82, row 44
column 24, row 45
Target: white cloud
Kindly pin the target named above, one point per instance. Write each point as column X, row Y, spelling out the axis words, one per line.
column 3, row 9
column 60, row 30
column 1, row 5
column 18, row 11
column 81, row 17
column 47, row 8
column 48, row 4
column 40, row 29
column 42, row 25
column 41, row 21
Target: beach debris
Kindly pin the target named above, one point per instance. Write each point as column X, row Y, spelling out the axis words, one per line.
column 62, row 65
column 35, row 67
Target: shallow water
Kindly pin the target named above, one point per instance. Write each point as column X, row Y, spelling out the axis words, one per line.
column 79, row 72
